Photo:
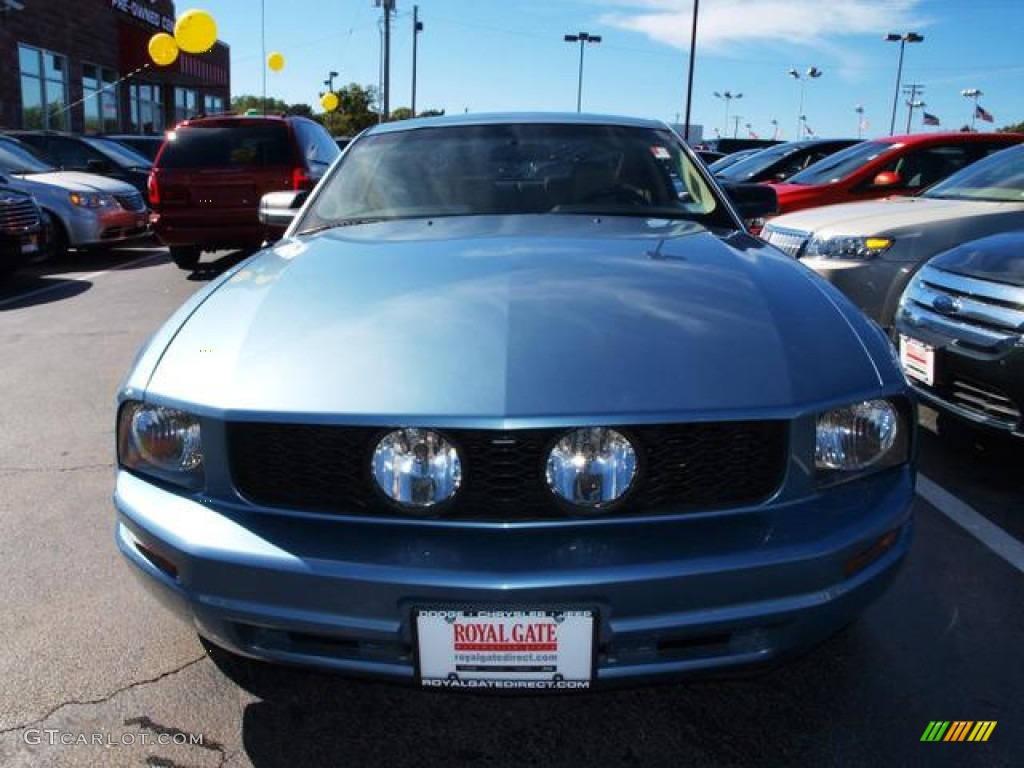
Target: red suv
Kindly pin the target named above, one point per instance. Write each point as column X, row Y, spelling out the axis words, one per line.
column 893, row 165
column 210, row 173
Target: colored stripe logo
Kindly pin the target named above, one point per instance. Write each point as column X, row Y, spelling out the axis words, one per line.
column 959, row 730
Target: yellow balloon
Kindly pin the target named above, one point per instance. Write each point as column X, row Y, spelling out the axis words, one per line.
column 329, row 101
column 162, row 49
column 275, row 61
column 195, row 31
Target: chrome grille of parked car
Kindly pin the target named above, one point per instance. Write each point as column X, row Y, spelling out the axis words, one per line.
column 683, row 467
column 981, row 314
column 17, row 216
column 985, row 399
column 131, row 201
column 790, row 241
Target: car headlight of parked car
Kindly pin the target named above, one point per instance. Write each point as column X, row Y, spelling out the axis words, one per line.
column 165, row 443
column 91, row 199
column 860, row 437
column 845, row 247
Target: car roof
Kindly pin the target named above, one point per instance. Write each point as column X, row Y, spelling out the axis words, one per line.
column 945, row 137
column 516, row 118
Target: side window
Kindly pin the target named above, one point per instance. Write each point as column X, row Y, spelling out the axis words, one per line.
column 68, row 153
column 926, row 166
column 316, row 146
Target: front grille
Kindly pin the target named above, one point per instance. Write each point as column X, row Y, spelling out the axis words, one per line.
column 980, row 314
column 131, row 201
column 682, row 467
column 789, row 241
column 18, row 216
column 985, row 400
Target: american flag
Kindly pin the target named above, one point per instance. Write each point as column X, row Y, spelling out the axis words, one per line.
column 983, row 114
column 930, row 119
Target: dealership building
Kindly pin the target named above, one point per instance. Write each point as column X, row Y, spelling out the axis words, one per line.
column 84, row 66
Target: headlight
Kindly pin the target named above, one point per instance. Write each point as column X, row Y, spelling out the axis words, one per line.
column 159, row 441
column 90, row 199
column 870, row 434
column 591, row 467
column 416, row 468
column 847, row 247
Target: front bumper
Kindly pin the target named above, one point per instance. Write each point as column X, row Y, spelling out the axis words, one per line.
column 105, row 227
column 679, row 596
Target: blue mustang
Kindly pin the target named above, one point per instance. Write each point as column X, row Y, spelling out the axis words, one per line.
column 516, row 403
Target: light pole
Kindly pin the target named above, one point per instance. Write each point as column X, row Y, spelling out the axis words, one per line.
column 727, row 96
column 582, row 38
column 895, row 37
column 811, row 74
column 972, row 93
column 689, row 72
column 775, row 129
column 329, row 82
column 736, row 125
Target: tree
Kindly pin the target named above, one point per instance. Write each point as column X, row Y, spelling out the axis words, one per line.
column 1018, row 128
column 241, row 104
column 355, row 111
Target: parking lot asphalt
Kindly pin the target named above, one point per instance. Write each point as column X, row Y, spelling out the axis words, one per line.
column 89, row 656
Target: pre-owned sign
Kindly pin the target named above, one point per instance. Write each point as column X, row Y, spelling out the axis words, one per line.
column 147, row 14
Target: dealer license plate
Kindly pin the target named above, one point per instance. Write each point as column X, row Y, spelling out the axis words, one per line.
column 917, row 359
column 506, row 650
column 30, row 244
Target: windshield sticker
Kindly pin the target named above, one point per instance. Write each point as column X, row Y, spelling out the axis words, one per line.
column 661, row 153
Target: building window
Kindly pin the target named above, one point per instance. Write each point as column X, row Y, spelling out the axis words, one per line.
column 186, row 104
column 147, row 108
column 99, row 91
column 213, row 105
column 44, row 88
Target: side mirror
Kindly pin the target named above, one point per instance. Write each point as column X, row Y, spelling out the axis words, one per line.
column 752, row 201
column 887, row 179
column 278, row 209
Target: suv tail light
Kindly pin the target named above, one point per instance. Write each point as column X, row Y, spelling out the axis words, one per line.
column 153, row 189
column 300, row 179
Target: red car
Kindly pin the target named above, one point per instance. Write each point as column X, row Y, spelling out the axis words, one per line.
column 891, row 165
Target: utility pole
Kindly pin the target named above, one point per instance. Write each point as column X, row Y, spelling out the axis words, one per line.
column 388, row 6
column 417, row 27
column 912, row 91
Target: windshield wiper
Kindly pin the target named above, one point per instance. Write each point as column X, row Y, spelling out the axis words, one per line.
column 355, row 221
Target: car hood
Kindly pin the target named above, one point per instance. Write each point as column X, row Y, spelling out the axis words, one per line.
column 999, row 258
column 876, row 217
column 76, row 181
column 553, row 317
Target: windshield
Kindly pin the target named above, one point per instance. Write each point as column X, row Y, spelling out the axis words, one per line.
column 513, row 169
column 837, row 167
column 16, row 159
column 998, row 177
column 730, row 160
column 757, row 162
column 118, row 152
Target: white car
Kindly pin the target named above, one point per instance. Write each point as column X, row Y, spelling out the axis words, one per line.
column 85, row 210
column 870, row 250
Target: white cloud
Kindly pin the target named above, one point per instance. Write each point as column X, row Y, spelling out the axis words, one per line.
column 722, row 24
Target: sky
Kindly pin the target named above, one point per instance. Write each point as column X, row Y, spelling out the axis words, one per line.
column 502, row 55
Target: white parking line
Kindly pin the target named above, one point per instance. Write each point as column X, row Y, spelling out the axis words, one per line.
column 64, row 282
column 985, row 531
